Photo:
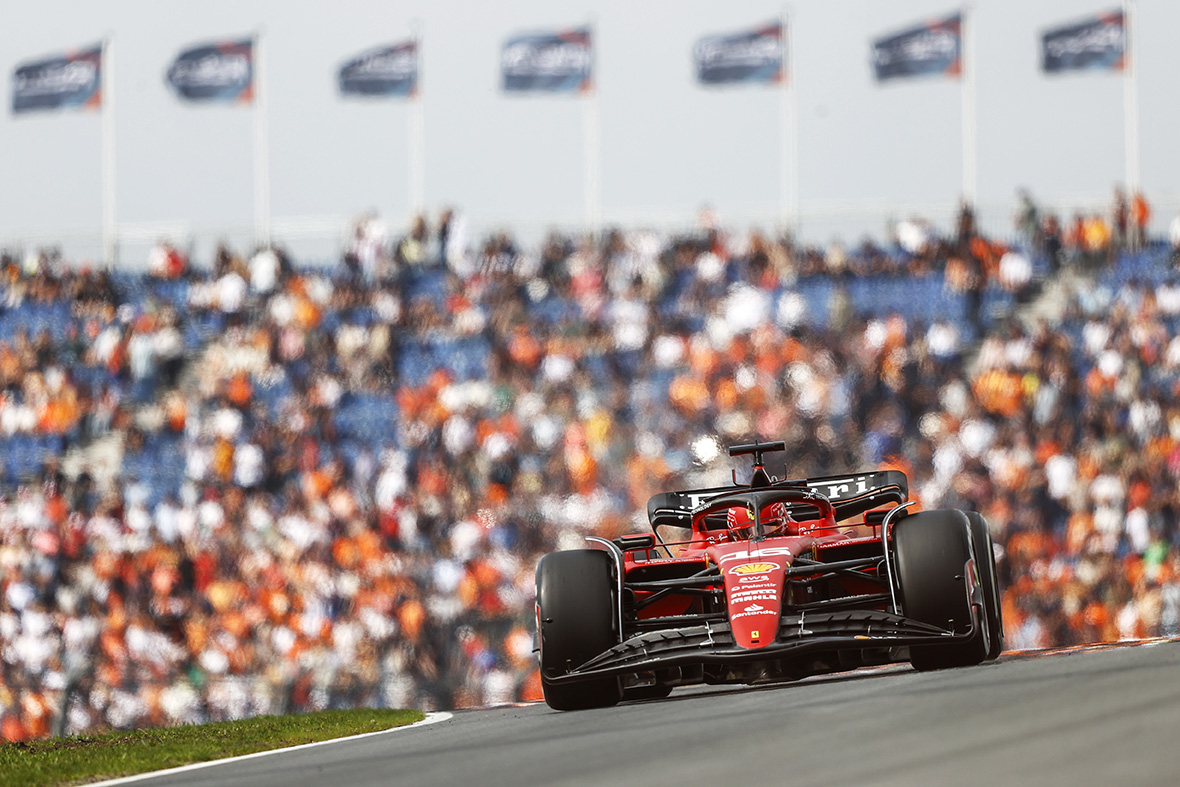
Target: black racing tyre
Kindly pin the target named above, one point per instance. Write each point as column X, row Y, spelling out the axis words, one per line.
column 657, row 691
column 575, row 615
column 985, row 559
column 931, row 549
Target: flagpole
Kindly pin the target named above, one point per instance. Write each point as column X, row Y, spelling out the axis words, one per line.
column 968, row 90
column 591, row 123
column 261, row 151
column 417, row 179
column 110, row 240
column 1131, row 96
column 789, row 117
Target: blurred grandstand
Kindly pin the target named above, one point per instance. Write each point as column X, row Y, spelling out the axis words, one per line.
column 254, row 486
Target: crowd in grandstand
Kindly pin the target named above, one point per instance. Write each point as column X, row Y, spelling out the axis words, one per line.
column 252, row 486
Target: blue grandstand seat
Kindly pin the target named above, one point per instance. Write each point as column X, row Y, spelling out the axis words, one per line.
column 1151, row 266
column 34, row 318
column 554, row 310
column 201, row 327
column 143, row 390
column 468, row 357
column 465, row 358
column 658, row 382
column 921, row 298
column 160, row 465
column 1077, row 352
column 597, row 365
column 90, row 378
column 997, row 305
column 349, row 451
column 430, row 283
column 331, row 320
column 367, row 419
column 414, row 362
column 917, row 299
column 24, row 455
column 273, row 392
column 173, row 292
column 816, row 293
column 131, row 286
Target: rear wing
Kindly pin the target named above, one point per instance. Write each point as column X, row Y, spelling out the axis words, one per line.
column 851, row 495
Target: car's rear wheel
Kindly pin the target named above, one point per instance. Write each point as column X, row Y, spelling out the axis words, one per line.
column 931, row 549
column 985, row 559
column 575, row 618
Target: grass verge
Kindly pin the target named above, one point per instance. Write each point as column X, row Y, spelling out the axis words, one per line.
column 88, row 758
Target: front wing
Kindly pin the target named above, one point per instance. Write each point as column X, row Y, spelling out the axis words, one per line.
column 798, row 634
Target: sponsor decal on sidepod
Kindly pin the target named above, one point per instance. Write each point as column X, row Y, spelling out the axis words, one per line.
column 752, row 568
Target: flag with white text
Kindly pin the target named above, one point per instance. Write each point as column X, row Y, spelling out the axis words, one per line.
column 751, row 56
column 557, row 62
column 387, row 71
column 1098, row 43
column 66, row 81
column 935, row 48
column 221, row 71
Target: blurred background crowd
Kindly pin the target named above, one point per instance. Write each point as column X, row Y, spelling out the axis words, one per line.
column 250, row 485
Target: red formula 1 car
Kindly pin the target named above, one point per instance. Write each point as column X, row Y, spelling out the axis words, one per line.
column 770, row 581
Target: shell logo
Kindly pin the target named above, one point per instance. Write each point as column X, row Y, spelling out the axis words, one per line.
column 753, row 568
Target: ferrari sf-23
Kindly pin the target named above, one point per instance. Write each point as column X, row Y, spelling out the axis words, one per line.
column 768, row 581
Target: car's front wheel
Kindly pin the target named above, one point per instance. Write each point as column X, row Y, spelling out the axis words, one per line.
column 932, row 550
column 575, row 620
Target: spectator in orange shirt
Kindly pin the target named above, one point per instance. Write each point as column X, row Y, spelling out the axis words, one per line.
column 1140, row 215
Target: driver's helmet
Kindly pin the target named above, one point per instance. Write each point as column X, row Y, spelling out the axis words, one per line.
column 740, row 521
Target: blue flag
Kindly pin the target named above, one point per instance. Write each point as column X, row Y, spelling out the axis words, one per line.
column 387, row 71
column 754, row 56
column 930, row 49
column 561, row 62
column 221, row 71
column 1098, row 43
column 63, row 81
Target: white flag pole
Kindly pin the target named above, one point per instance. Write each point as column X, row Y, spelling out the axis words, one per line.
column 967, row 32
column 590, row 121
column 110, row 239
column 590, row 116
column 417, row 179
column 1131, row 96
column 789, row 115
column 261, row 151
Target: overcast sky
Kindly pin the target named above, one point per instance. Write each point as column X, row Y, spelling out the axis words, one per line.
column 668, row 146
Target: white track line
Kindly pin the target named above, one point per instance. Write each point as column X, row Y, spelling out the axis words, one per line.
column 431, row 718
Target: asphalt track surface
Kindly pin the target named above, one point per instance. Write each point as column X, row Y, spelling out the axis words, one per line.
column 1107, row 715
